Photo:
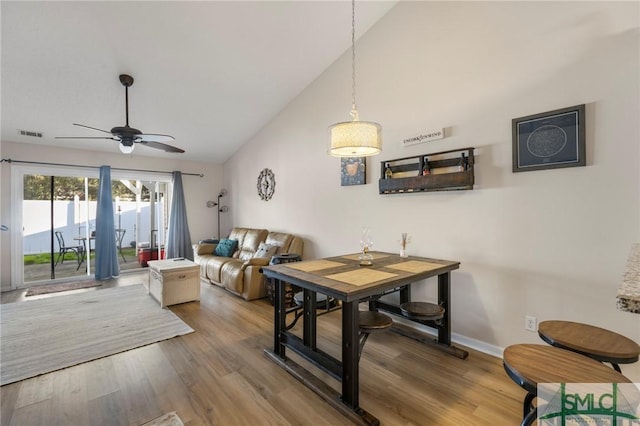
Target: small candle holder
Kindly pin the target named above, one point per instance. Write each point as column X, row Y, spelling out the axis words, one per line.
column 365, row 258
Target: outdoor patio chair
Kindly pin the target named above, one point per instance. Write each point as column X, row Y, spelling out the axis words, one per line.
column 64, row 249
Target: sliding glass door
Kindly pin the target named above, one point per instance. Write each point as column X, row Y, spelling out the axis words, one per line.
column 56, row 210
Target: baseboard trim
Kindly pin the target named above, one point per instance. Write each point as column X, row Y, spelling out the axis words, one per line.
column 478, row 345
column 469, row 342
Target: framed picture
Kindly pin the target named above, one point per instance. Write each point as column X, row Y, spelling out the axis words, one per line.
column 353, row 171
column 549, row 140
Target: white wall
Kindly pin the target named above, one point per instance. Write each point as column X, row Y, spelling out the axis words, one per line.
column 202, row 220
column 551, row 243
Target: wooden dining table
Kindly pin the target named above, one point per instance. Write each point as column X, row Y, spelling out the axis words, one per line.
column 343, row 279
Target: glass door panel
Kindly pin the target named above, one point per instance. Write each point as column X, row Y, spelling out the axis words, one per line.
column 54, row 219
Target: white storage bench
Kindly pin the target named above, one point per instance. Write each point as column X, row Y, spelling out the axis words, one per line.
column 174, row 281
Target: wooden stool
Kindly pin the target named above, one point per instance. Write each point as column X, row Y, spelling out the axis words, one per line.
column 422, row 311
column 322, row 301
column 372, row 322
column 327, row 304
column 529, row 364
column 595, row 342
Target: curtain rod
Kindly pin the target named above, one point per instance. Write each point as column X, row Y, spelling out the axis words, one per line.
column 9, row 160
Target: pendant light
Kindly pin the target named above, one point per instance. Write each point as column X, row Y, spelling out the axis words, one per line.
column 354, row 138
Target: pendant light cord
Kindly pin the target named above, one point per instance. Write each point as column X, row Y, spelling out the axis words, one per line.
column 354, row 110
column 354, row 138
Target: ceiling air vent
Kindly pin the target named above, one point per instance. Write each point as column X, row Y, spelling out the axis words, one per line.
column 30, row 133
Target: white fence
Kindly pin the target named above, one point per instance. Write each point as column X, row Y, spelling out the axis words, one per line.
column 70, row 219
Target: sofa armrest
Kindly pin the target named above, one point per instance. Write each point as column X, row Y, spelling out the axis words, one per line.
column 204, row 248
column 255, row 261
column 296, row 246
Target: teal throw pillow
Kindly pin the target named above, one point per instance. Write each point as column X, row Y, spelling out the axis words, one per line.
column 226, row 247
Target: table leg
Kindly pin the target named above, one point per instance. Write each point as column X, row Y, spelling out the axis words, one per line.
column 350, row 347
column 444, row 295
column 84, row 254
column 405, row 294
column 279, row 319
column 309, row 322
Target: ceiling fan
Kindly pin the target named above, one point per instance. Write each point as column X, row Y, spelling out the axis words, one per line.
column 128, row 136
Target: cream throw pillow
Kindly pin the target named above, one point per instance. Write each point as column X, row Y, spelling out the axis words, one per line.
column 265, row 251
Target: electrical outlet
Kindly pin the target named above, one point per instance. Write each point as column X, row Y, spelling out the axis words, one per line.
column 530, row 323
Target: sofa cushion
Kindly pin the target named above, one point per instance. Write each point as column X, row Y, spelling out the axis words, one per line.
column 248, row 241
column 265, row 251
column 226, row 247
column 213, row 267
column 280, row 240
column 232, row 275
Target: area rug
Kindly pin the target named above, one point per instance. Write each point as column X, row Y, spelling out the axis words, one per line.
column 169, row 419
column 55, row 288
column 43, row 335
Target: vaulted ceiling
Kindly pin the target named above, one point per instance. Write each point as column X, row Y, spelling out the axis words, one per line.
column 211, row 74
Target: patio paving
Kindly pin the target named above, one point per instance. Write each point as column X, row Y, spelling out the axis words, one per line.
column 67, row 269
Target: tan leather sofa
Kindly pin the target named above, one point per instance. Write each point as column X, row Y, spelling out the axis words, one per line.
column 240, row 274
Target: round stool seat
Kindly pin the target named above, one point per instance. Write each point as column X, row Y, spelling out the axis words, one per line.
column 321, row 300
column 422, row 311
column 531, row 364
column 595, row 342
column 371, row 321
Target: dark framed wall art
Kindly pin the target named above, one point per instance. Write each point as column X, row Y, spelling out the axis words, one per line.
column 549, row 140
column 353, row 171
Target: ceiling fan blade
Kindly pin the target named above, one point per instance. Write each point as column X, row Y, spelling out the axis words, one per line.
column 87, row 137
column 154, row 138
column 162, row 146
column 89, row 127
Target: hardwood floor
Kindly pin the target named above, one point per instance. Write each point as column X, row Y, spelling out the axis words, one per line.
column 219, row 376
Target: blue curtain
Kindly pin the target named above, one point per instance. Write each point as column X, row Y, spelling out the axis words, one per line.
column 106, row 250
column 178, row 239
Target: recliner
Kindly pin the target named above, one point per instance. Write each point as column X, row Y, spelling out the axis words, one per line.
column 240, row 274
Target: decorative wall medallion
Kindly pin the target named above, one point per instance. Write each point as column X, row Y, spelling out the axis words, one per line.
column 266, row 184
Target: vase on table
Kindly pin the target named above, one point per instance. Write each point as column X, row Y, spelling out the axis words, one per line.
column 403, row 244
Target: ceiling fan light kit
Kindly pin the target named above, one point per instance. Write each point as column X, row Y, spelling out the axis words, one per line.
column 128, row 136
column 126, row 149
